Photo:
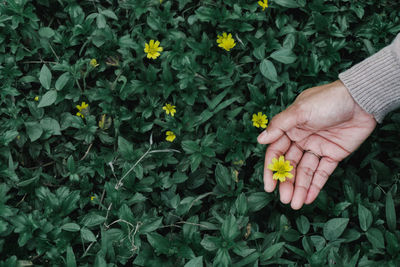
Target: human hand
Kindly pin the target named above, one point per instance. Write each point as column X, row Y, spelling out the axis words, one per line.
column 318, row 130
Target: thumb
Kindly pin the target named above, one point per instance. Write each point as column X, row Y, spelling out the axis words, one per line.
column 279, row 124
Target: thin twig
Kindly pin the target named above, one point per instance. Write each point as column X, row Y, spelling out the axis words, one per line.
column 117, row 187
column 183, row 222
column 40, row 62
column 54, row 52
column 164, row 150
column 102, row 197
column 77, row 82
column 87, row 151
column 22, row 200
column 44, row 165
column 119, row 183
column 201, row 77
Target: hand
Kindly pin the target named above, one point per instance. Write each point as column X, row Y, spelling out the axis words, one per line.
column 322, row 126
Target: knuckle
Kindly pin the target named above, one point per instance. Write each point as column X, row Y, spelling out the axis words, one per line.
column 307, row 171
column 322, row 174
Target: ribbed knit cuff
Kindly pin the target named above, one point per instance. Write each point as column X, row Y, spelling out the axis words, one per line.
column 374, row 83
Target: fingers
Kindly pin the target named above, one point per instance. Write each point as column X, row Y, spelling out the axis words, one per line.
column 279, row 124
column 294, row 155
column 325, row 169
column 304, row 176
column 274, row 150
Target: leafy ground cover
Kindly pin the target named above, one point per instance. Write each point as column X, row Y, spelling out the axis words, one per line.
column 128, row 134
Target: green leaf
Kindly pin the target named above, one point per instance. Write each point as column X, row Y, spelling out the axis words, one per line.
column 223, row 177
column 375, row 236
column 303, row 224
column 259, row 52
column 268, row 70
column 71, row 164
column 8, row 136
column 241, row 204
column 210, row 243
column 151, row 225
column 101, row 21
column 71, row 261
column 62, row 81
column 258, row 200
column 390, row 212
column 71, row 227
column 190, row 146
column 125, row 148
column 92, row 219
column 28, row 182
column 34, row 130
column 109, row 13
column 271, row 251
column 51, row 126
column 287, row 3
column 365, row 217
column 334, row 228
column 229, row 228
column 284, row 55
column 87, row 235
column 158, row 242
column 223, row 259
column 46, row 32
column 195, row 262
column 48, row 99
column 248, row 260
column 45, row 77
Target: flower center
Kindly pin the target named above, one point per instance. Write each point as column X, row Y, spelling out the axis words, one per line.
column 281, row 169
column 152, row 49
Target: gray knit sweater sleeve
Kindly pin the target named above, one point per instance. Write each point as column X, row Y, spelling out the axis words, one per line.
column 374, row 83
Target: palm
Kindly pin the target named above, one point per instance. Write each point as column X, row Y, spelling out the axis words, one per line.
column 329, row 130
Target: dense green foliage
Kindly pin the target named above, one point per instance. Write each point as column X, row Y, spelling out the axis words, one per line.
column 74, row 192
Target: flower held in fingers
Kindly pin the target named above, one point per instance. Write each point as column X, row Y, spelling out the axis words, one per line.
column 281, row 168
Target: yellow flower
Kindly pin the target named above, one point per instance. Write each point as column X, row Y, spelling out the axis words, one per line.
column 226, row 41
column 152, row 49
column 92, row 197
column 169, row 109
column 170, row 136
column 260, row 120
column 263, row 4
column 93, row 63
column 82, row 109
column 281, row 168
column 36, row 98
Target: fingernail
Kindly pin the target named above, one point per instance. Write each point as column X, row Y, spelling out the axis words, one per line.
column 262, row 136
